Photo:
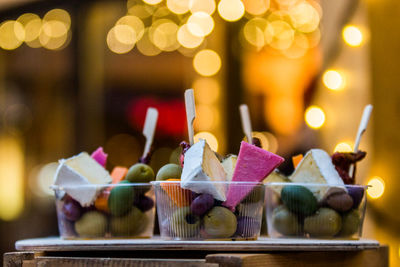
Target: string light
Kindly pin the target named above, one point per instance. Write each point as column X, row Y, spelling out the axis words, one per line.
column 377, row 187
column 231, row 10
column 343, row 147
column 352, row 35
column 333, row 80
column 207, row 62
column 209, row 137
column 315, row 117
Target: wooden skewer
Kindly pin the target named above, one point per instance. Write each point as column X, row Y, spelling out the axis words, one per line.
column 361, row 129
column 149, row 128
column 246, row 123
column 190, row 113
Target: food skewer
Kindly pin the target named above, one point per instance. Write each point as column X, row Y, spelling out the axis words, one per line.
column 246, row 123
column 361, row 129
column 149, row 128
column 190, row 113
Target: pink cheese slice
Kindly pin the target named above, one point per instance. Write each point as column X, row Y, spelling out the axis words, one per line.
column 100, row 156
column 253, row 165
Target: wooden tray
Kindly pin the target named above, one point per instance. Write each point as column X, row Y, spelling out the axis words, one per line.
column 262, row 244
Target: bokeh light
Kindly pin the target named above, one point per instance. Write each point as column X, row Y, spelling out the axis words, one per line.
column 187, row 39
column 146, row 47
column 343, row 147
column 333, row 80
column 209, row 137
column 253, row 32
column 206, row 90
column 58, row 15
column 304, row 17
column 208, row 119
column 121, row 39
column 200, row 24
column 54, row 43
column 32, row 25
column 314, row 117
column 12, row 34
column 231, row 10
column 207, row 6
column 178, row 6
column 256, row 7
column 152, row 2
column 352, row 35
column 135, row 23
column 207, row 62
column 163, row 35
column 140, row 10
column 377, row 187
column 280, row 33
column 298, row 48
column 41, row 178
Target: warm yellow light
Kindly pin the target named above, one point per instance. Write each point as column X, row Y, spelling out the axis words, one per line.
column 146, row 47
column 298, row 48
column 260, row 136
column 178, row 6
column 163, row 34
column 207, row 62
column 256, row 7
column 210, row 139
column 32, row 25
column 377, row 187
column 11, row 178
column 54, row 28
column 333, row 80
column 343, row 147
column 140, row 11
column 54, row 43
column 206, row 90
column 207, row 6
column 12, row 34
column 200, row 24
column 279, row 34
column 253, row 32
column 352, row 35
column 209, row 117
column 58, row 15
column 135, row 23
column 42, row 178
column 121, row 39
column 187, row 39
column 305, row 17
column 231, row 10
column 152, row 2
column 315, row 117
column 32, row 30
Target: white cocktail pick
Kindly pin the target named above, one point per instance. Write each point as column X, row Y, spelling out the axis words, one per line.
column 149, row 128
column 190, row 113
column 361, row 129
column 246, row 123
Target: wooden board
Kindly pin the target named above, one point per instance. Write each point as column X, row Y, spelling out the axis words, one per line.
column 262, row 244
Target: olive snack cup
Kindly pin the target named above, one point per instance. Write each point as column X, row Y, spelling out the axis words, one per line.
column 184, row 214
column 321, row 211
column 124, row 210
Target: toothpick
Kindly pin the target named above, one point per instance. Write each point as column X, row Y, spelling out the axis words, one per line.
column 361, row 129
column 190, row 113
column 246, row 123
column 149, row 128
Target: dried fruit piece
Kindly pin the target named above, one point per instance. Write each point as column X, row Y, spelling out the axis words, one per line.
column 343, row 161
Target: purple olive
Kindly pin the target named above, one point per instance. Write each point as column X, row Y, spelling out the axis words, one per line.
column 247, row 227
column 144, row 203
column 357, row 194
column 72, row 210
column 202, row 204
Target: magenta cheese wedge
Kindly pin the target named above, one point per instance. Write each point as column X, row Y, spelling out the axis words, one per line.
column 254, row 164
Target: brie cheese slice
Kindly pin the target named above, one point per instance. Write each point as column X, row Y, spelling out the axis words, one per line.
column 317, row 167
column 201, row 168
column 229, row 165
column 76, row 174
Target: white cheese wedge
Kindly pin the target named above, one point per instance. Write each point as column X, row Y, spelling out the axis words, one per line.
column 201, row 167
column 229, row 165
column 317, row 167
column 76, row 173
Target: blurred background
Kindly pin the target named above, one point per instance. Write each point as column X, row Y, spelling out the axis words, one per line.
column 75, row 75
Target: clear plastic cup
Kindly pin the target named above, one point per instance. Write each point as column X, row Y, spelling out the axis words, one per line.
column 306, row 210
column 122, row 210
column 185, row 214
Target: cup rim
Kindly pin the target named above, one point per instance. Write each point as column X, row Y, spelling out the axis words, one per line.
column 208, row 182
column 318, row 184
column 62, row 187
